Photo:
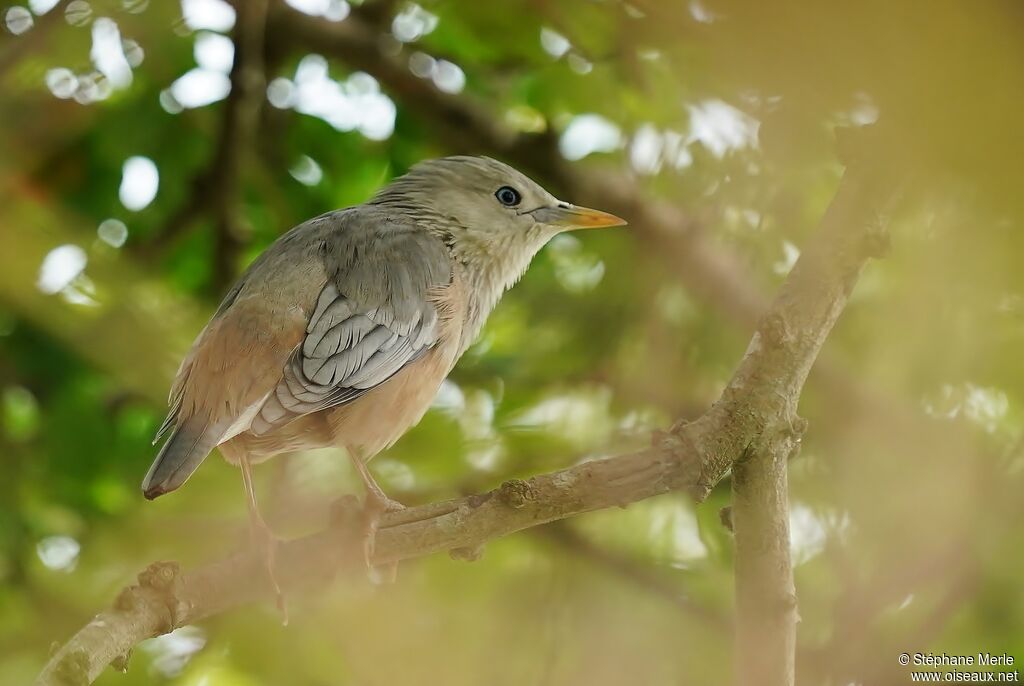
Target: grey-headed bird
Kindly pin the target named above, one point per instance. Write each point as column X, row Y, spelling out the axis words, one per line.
column 342, row 331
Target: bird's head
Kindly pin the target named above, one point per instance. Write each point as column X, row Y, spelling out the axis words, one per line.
column 487, row 206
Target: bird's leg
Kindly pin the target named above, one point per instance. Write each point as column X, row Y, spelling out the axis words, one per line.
column 262, row 537
column 375, row 504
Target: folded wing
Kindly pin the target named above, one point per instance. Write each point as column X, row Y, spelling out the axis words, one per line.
column 376, row 314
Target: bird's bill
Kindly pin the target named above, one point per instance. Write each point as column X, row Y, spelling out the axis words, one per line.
column 570, row 217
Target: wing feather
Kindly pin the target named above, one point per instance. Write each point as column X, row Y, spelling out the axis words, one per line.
column 376, row 314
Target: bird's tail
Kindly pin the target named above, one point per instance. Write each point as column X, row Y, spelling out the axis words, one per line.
column 186, row 448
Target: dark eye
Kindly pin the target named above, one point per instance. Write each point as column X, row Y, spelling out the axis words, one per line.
column 508, row 196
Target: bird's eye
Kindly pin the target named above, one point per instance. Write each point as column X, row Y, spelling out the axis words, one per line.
column 508, row 196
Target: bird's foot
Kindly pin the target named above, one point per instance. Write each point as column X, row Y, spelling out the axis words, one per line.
column 266, row 543
column 375, row 506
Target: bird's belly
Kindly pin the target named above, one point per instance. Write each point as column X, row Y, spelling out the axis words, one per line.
column 379, row 418
column 305, row 433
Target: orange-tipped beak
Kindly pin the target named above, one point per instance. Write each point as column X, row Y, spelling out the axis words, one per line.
column 571, row 217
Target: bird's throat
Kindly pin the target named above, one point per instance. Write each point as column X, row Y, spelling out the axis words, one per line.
column 489, row 268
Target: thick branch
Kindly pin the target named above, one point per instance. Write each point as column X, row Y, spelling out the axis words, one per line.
column 766, row 604
column 757, row 408
column 762, row 395
column 165, row 599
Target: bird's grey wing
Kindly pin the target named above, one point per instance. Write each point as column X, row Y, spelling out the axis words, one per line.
column 377, row 313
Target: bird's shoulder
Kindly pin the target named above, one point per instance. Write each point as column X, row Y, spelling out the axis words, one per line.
column 382, row 258
column 366, row 248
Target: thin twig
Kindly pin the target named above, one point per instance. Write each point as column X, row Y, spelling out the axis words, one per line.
column 639, row 572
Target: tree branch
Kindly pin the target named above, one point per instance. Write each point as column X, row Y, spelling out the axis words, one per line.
column 766, row 606
column 756, row 416
column 766, row 603
column 217, row 189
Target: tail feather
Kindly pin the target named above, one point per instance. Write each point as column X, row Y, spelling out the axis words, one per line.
column 186, row 448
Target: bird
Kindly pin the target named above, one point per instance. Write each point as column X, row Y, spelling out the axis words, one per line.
column 341, row 332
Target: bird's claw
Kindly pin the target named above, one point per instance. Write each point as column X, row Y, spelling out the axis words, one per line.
column 264, row 541
column 374, row 507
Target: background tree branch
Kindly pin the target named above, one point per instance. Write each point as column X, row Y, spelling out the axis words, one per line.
column 754, row 419
column 217, row 190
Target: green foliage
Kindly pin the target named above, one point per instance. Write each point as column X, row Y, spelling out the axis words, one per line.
column 906, row 509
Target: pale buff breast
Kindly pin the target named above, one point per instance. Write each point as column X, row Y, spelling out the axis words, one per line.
column 379, row 418
column 305, row 433
column 376, row 420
